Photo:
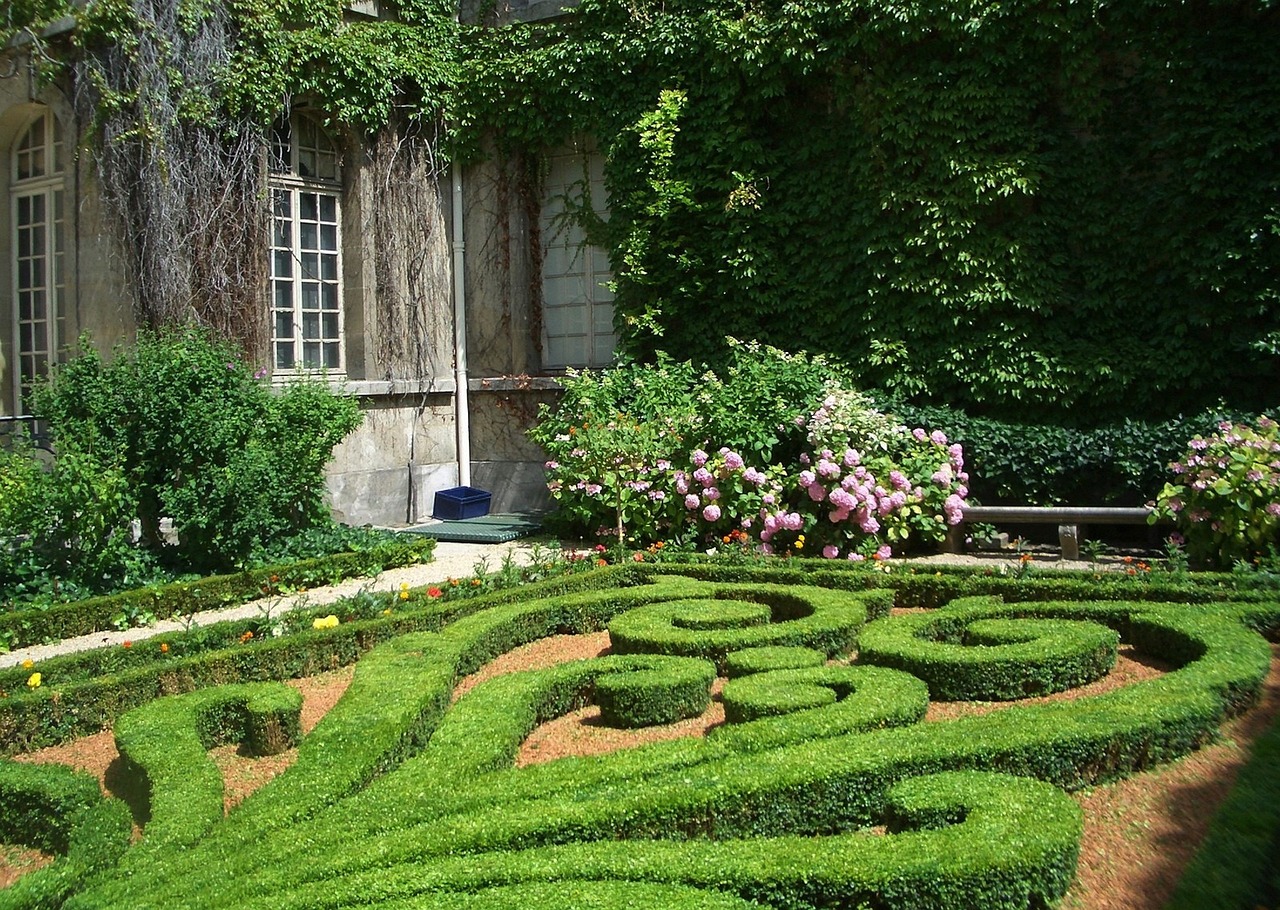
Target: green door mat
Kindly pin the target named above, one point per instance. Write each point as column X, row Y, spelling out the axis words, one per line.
column 485, row 529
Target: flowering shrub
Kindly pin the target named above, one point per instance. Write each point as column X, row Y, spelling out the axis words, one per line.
column 849, row 482
column 1225, row 498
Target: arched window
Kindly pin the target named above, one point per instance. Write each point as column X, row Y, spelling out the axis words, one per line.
column 37, row 213
column 306, row 265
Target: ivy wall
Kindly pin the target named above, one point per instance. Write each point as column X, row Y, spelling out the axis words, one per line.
column 1042, row 210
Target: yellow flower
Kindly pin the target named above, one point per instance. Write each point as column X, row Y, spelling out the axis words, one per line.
column 326, row 622
column 404, row 595
column 386, row 612
column 33, row 681
column 28, row 664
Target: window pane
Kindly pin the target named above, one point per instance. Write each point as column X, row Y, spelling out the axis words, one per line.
column 310, row 265
column 307, row 206
column 329, row 267
column 310, row 326
column 282, row 207
column 281, row 237
column 284, row 356
column 284, row 325
column 307, row 236
column 329, row 208
column 332, row 360
column 284, row 295
column 330, row 323
column 282, row 264
column 311, row 355
column 310, row 296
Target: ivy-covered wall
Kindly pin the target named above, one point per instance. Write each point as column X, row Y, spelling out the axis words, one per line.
column 1042, row 210
column 1050, row 211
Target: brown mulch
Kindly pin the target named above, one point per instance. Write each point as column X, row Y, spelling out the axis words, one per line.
column 1139, row 833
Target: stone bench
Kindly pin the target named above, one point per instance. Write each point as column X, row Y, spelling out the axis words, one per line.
column 1071, row 521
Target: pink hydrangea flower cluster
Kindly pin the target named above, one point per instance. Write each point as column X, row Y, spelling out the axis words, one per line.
column 1225, row 498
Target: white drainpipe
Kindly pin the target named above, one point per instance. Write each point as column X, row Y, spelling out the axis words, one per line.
column 462, row 419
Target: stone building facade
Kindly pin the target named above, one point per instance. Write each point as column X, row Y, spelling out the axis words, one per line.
column 449, row 358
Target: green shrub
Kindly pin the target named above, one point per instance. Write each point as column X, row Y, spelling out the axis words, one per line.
column 764, row 659
column 1122, row 463
column 201, row 441
column 671, row 689
column 1226, row 496
column 61, row 811
column 1238, row 865
column 166, row 743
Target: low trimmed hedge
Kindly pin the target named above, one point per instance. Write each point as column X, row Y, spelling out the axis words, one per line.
column 166, row 742
column 21, row 628
column 1238, row 865
column 674, row 688
column 811, row 617
column 85, row 692
column 399, row 799
column 978, row 649
column 455, row 816
column 763, row 659
column 863, row 692
column 58, row 810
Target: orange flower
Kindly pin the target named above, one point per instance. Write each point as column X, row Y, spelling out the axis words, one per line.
column 1127, row 560
column 127, row 644
column 453, row 582
column 1131, row 571
column 164, row 647
column 433, row 591
column 248, row 634
column 475, row 582
column 275, row 578
column 638, row 556
column 602, row 562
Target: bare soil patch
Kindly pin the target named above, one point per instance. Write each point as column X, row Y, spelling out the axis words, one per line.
column 1139, row 833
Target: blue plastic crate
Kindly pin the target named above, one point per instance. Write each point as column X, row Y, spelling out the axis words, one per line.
column 460, row 502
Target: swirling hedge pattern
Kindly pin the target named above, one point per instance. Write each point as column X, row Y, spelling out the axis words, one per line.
column 402, row 799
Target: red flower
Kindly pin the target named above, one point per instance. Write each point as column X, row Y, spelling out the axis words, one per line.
column 433, row 591
column 127, row 644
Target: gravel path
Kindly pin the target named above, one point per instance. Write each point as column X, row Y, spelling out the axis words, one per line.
column 457, row 560
column 452, row 560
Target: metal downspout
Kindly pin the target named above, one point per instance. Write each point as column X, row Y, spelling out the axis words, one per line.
column 462, row 417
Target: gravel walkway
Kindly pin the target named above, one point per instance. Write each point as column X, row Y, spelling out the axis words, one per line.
column 452, row 560
column 457, row 560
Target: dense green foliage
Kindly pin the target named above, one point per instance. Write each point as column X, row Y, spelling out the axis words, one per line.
column 1034, row 211
column 772, row 451
column 1226, row 495
column 401, row 797
column 190, row 434
column 1029, row 211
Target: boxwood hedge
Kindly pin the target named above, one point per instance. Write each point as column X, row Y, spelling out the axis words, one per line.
column 401, row 798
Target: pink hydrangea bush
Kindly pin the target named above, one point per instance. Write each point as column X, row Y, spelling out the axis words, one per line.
column 1225, row 497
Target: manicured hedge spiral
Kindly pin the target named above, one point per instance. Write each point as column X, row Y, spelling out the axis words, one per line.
column 826, row 621
column 979, row 649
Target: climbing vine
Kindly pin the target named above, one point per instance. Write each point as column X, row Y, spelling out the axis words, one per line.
column 1035, row 210
column 1055, row 211
column 180, row 99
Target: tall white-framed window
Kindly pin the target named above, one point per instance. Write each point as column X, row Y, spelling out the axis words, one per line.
column 306, row 244
column 37, row 212
column 577, row 305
